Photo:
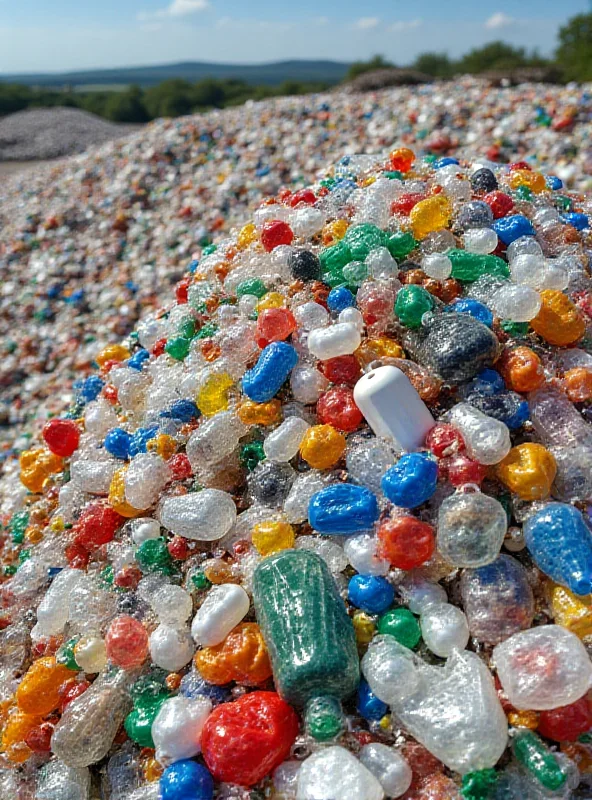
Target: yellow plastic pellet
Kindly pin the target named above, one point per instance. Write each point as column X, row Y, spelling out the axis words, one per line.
column 322, row 446
column 430, row 215
column 271, row 536
column 213, row 395
column 113, row 352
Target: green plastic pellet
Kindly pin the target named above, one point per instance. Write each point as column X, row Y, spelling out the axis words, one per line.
column 251, row 454
column 401, row 624
column 323, row 718
column 333, row 259
column 178, row 348
column 515, row 329
column 251, row 286
column 469, row 267
column 401, row 244
column 362, row 239
column 310, row 638
column 208, row 330
column 479, row 785
column 411, row 304
column 534, row 754
column 153, row 556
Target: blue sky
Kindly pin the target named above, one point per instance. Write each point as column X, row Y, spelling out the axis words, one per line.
column 51, row 35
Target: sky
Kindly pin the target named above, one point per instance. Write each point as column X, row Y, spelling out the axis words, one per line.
column 58, row 35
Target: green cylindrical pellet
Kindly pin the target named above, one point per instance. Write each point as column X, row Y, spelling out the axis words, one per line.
column 308, row 633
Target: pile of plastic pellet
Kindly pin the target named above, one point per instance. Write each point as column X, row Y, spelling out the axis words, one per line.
column 320, row 528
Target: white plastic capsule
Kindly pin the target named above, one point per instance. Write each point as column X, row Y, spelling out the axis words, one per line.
column 340, row 339
column 176, row 731
column 393, row 408
column 224, row 607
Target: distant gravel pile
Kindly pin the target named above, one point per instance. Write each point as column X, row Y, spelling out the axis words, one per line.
column 54, row 132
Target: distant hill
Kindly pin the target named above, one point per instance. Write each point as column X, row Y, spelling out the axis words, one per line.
column 270, row 74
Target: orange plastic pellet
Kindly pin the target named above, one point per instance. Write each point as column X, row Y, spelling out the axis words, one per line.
column 528, row 470
column 559, row 321
column 521, row 370
column 18, row 725
column 322, row 446
column 577, row 383
column 36, row 467
column 251, row 413
column 241, row 657
column 38, row 692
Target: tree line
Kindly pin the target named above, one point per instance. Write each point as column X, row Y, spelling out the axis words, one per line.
column 572, row 58
column 176, row 97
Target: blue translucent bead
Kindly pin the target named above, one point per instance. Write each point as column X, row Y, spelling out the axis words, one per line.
column 553, row 182
column 117, row 443
column 91, row 388
column 275, row 363
column 474, row 308
column 411, row 481
column 139, row 441
column 507, row 407
column 340, row 299
column 193, row 685
column 560, row 543
column 183, row 410
column 511, row 228
column 186, row 780
column 343, row 508
column 370, row 593
column 488, row 382
column 193, row 265
column 445, row 162
column 138, row 358
column 577, row 221
column 369, row 706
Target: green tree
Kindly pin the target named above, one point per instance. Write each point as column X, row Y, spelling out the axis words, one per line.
column 495, row 55
column 574, row 54
column 126, row 106
column 172, row 98
column 208, row 93
column 360, row 67
column 437, row 64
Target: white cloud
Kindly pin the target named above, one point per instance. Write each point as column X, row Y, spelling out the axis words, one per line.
column 499, row 20
column 177, row 8
column 320, row 20
column 366, row 23
column 405, row 25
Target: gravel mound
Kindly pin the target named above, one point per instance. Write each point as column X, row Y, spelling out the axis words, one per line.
column 54, row 132
column 384, row 78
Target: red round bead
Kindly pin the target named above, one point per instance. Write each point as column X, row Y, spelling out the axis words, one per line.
column 304, row 196
column 178, row 548
column 337, row 408
column 180, row 467
column 275, row 233
column 406, row 542
column 181, row 291
column 274, row 325
column 244, row 741
column 127, row 642
column 110, row 394
column 158, row 348
column 77, row 556
column 406, row 202
column 39, row 738
column 444, row 440
column 499, row 202
column 72, row 689
column 341, row 369
column 566, row 723
column 97, row 525
column 520, row 165
column 61, row 436
column 461, row 469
